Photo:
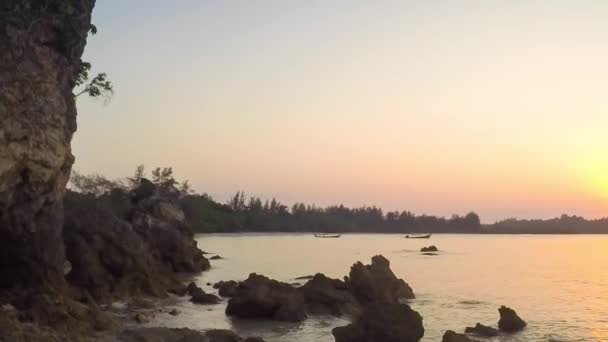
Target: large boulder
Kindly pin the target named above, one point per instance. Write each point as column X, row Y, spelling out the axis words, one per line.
column 261, row 297
column 324, row 295
column 383, row 322
column 509, row 320
column 377, row 282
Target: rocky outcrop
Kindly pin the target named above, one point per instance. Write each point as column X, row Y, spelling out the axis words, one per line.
column 432, row 248
column 226, row 288
column 377, row 282
column 481, row 330
column 452, row 336
column 41, row 44
column 261, row 297
column 324, row 295
column 509, row 320
column 108, row 258
column 181, row 335
column 383, row 322
column 111, row 257
column 160, row 221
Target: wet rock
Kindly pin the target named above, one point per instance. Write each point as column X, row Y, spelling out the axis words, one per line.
column 509, row 320
column 383, row 322
column 216, row 257
column 226, row 288
column 174, row 312
column 452, row 336
column 261, row 297
column 481, row 330
column 324, row 295
column 200, row 297
column 377, row 282
column 430, row 254
column 429, row 249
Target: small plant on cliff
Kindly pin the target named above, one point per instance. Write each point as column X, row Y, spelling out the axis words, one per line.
column 98, row 86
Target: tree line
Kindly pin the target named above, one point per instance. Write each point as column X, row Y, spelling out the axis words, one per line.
column 242, row 213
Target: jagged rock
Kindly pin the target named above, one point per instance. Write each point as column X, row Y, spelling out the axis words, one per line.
column 200, row 297
column 509, row 320
column 452, row 336
column 376, row 282
column 481, row 330
column 261, row 297
column 324, row 295
column 226, row 288
column 383, row 322
column 181, row 335
column 429, row 249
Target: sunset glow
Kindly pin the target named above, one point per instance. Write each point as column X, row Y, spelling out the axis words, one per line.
column 439, row 109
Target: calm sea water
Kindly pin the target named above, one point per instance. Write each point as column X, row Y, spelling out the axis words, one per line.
column 558, row 284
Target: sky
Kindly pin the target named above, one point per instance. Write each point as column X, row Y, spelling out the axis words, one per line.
column 437, row 107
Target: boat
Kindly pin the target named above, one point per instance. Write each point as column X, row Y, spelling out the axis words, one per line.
column 418, row 236
column 328, row 236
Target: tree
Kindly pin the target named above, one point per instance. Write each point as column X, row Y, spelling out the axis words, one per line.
column 93, row 184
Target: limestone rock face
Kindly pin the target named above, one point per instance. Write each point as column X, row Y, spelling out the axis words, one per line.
column 377, row 282
column 261, row 297
column 383, row 322
column 41, row 43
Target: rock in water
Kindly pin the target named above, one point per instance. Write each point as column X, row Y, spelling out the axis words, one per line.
column 324, row 295
column 452, row 336
column 226, row 288
column 383, row 322
column 429, row 249
column 481, row 330
column 509, row 320
column 377, row 282
column 200, row 297
column 261, row 297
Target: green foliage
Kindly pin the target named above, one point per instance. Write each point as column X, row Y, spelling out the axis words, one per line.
column 96, row 87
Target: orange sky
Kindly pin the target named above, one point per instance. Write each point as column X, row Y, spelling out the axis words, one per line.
column 497, row 107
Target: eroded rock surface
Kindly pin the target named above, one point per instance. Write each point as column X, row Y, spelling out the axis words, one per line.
column 383, row 322
column 481, row 330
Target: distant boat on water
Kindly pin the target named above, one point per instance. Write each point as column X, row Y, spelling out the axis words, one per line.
column 418, row 236
column 328, row 236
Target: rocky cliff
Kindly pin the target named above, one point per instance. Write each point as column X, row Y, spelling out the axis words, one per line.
column 41, row 43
